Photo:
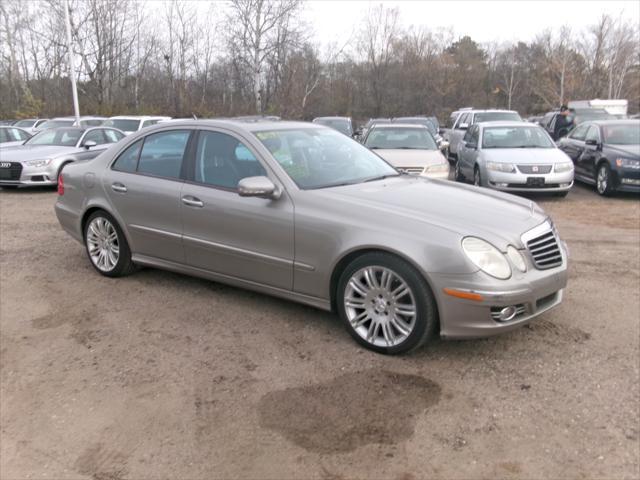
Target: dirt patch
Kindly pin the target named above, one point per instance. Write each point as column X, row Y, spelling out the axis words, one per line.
column 349, row 411
column 101, row 463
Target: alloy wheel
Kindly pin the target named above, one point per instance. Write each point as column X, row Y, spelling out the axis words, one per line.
column 380, row 306
column 602, row 180
column 103, row 244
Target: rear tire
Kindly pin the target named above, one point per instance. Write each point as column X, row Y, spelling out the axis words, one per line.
column 386, row 304
column 106, row 246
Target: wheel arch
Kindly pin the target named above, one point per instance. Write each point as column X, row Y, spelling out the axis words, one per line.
column 351, row 255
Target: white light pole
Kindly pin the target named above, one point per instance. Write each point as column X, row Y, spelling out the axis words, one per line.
column 72, row 68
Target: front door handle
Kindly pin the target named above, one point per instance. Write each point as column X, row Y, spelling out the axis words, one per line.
column 118, row 187
column 192, row 201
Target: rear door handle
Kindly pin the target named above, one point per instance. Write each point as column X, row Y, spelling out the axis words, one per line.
column 118, row 187
column 192, row 201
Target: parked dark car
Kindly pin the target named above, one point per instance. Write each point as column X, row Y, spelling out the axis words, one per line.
column 606, row 153
column 341, row 124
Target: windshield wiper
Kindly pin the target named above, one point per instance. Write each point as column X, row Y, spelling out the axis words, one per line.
column 382, row 177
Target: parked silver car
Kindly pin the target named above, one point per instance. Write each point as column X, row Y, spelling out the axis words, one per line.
column 40, row 159
column 30, row 124
column 409, row 148
column 515, row 157
column 12, row 136
column 303, row 212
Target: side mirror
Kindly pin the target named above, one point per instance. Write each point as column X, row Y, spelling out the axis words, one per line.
column 591, row 142
column 88, row 144
column 470, row 145
column 261, row 187
column 463, row 126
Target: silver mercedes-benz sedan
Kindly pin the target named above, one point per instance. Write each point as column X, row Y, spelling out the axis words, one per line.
column 513, row 157
column 303, row 212
column 40, row 159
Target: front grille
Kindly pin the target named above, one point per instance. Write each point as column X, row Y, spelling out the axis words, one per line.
column 411, row 170
column 534, row 168
column 11, row 173
column 533, row 187
column 545, row 251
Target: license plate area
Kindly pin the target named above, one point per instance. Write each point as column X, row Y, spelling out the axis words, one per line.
column 535, row 181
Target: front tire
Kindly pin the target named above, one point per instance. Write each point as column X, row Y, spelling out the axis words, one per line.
column 604, row 180
column 477, row 179
column 386, row 304
column 107, row 246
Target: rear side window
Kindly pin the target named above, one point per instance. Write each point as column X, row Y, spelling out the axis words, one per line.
column 162, row 153
column 128, row 160
column 95, row 136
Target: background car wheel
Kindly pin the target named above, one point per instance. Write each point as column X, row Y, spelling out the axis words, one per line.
column 107, row 246
column 458, row 176
column 477, row 179
column 604, row 181
column 386, row 304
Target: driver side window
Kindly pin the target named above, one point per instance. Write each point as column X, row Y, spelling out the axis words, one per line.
column 222, row 161
column 593, row 134
column 579, row 133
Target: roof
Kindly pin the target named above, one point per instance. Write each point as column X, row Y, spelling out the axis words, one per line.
column 507, row 123
column 332, row 118
column 630, row 121
column 399, row 125
column 137, row 117
column 238, row 125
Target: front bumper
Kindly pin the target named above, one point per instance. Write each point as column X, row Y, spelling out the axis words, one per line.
column 517, row 182
column 533, row 293
column 26, row 175
column 627, row 180
column 442, row 175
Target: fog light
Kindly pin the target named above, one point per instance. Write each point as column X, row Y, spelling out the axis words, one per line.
column 506, row 314
column 503, row 185
column 564, row 185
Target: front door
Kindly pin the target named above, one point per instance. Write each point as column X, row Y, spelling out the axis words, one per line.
column 242, row 237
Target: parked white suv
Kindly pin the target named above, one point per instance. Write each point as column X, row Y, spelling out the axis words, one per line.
column 464, row 118
column 132, row 123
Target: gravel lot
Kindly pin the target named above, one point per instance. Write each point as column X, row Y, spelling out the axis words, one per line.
column 163, row 376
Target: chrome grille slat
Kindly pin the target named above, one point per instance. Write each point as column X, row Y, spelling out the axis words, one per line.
column 545, row 251
column 539, row 169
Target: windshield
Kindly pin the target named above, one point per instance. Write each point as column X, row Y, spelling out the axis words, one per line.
column 25, row 123
column 497, row 117
column 340, row 125
column 622, row 134
column 66, row 137
column 401, row 138
column 591, row 114
column 417, row 121
column 55, row 124
column 515, row 137
column 122, row 124
column 318, row 158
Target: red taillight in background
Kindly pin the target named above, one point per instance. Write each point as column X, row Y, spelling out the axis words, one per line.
column 60, row 184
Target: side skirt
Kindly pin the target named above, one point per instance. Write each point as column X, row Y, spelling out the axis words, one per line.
column 153, row 262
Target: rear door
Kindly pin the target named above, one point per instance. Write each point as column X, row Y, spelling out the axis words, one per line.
column 242, row 237
column 144, row 184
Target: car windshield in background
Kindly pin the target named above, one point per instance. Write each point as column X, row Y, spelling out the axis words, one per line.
column 418, row 121
column 339, row 125
column 591, row 114
column 319, row 158
column 401, row 138
column 122, row 124
column 515, row 137
column 65, row 137
column 497, row 117
column 25, row 123
column 622, row 134
column 56, row 124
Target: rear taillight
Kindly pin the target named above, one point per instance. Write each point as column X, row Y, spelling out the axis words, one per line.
column 60, row 184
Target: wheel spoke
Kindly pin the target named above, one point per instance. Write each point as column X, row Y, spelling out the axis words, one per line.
column 400, row 325
column 405, row 309
column 358, row 287
column 360, row 320
column 354, row 303
column 370, row 278
column 388, row 334
column 400, row 292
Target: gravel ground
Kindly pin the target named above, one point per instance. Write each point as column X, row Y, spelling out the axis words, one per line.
column 163, row 376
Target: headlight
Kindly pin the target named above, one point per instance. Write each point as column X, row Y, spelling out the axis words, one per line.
column 38, row 163
column 501, row 167
column 486, row 257
column 563, row 167
column 628, row 163
column 439, row 167
column 516, row 258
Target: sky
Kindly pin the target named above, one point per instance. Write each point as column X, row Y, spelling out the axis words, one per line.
column 333, row 21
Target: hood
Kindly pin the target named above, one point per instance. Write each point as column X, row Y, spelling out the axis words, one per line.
column 497, row 217
column 23, row 153
column 411, row 157
column 632, row 151
column 525, row 155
